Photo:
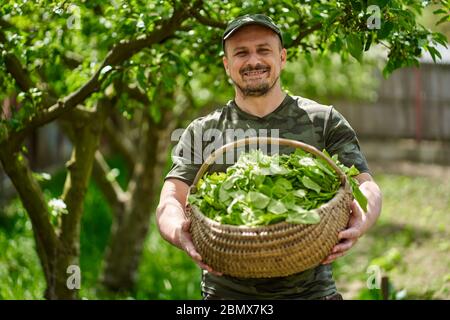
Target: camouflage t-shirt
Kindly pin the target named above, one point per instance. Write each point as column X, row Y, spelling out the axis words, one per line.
column 295, row 118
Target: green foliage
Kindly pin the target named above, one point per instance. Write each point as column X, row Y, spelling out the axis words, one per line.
column 159, row 274
column 389, row 260
column 166, row 272
column 21, row 275
column 62, row 44
column 95, row 226
column 376, row 294
column 260, row 189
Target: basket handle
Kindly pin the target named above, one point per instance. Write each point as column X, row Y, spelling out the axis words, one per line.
column 253, row 140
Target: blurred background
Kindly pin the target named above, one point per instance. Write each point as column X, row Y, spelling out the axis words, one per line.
column 402, row 120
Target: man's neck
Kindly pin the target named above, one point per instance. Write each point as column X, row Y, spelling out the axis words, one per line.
column 260, row 106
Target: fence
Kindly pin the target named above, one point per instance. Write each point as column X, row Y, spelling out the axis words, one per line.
column 413, row 103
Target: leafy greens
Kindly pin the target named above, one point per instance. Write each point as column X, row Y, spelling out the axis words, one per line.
column 260, row 189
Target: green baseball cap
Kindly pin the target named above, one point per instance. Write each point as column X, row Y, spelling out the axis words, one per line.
column 247, row 19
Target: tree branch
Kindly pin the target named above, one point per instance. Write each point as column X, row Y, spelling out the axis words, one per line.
column 5, row 24
column 13, row 65
column 72, row 59
column 20, row 74
column 136, row 94
column 207, row 21
column 86, row 141
column 117, row 55
column 120, row 143
column 110, row 188
column 31, row 195
column 304, row 34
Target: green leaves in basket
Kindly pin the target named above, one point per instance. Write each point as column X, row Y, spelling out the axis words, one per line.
column 359, row 196
column 260, row 189
column 311, row 217
column 307, row 182
column 257, row 199
column 352, row 172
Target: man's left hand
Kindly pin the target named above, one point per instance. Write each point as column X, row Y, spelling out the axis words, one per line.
column 349, row 236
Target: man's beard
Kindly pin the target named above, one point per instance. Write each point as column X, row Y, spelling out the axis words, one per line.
column 259, row 89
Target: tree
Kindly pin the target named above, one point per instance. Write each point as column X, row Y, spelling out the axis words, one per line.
column 80, row 62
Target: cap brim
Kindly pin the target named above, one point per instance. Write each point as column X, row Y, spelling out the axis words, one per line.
column 232, row 31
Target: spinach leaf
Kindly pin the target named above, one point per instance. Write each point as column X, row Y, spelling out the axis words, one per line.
column 260, row 189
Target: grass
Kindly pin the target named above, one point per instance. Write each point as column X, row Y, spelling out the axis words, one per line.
column 20, row 271
column 410, row 243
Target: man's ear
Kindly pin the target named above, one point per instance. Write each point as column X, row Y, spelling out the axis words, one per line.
column 283, row 56
column 225, row 65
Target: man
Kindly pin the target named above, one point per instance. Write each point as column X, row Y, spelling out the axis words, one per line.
column 254, row 57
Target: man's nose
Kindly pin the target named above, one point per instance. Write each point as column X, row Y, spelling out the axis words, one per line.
column 253, row 59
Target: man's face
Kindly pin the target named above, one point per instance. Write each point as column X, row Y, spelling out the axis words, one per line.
column 254, row 59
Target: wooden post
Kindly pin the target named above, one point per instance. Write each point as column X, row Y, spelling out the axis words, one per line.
column 418, row 105
column 385, row 287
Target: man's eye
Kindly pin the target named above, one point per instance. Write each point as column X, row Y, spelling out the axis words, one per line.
column 240, row 53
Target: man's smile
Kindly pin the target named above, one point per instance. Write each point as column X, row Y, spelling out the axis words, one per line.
column 255, row 74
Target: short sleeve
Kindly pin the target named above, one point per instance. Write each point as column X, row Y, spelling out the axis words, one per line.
column 340, row 139
column 186, row 156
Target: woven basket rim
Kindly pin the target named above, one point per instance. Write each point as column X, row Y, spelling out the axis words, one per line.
column 242, row 228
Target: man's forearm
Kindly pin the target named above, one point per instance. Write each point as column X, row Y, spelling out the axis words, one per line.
column 170, row 217
column 373, row 194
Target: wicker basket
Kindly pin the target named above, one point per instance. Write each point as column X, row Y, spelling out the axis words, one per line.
column 276, row 250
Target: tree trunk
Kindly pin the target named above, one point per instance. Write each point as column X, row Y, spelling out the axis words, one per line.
column 48, row 245
column 58, row 289
column 58, row 249
column 17, row 168
column 130, row 228
column 131, row 224
column 87, row 128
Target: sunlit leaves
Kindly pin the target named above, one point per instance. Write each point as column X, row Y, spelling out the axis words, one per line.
column 355, row 46
column 350, row 80
column 62, row 44
column 260, row 189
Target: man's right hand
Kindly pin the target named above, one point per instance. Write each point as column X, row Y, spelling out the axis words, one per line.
column 172, row 222
column 186, row 244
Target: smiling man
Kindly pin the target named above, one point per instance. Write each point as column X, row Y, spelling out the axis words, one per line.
column 254, row 58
